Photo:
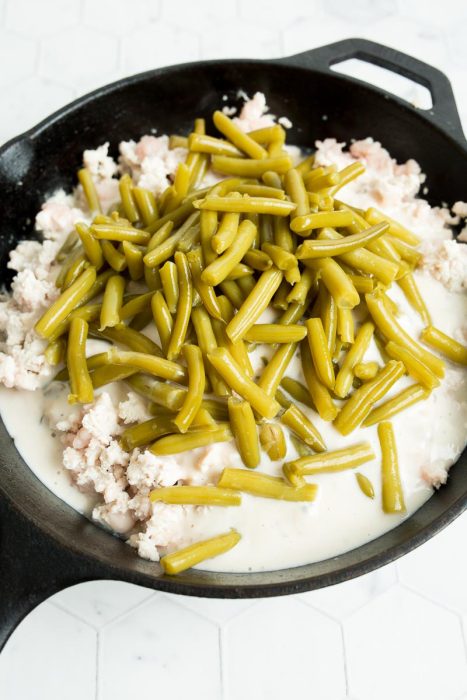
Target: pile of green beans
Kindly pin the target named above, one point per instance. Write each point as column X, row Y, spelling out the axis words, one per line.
column 201, row 265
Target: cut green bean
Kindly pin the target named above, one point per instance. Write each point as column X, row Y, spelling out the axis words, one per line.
column 447, row 346
column 201, row 143
column 169, row 279
column 301, row 425
column 235, row 377
column 91, row 246
column 303, row 224
column 297, row 391
column 373, row 216
column 162, row 319
column 218, row 270
column 125, row 186
column 177, row 562
column 112, row 302
column 255, row 303
column 197, row 437
column 196, row 383
column 366, row 370
column 207, row 343
column 146, row 203
column 404, row 399
column 322, row 248
column 320, row 395
column 244, row 167
column 134, row 258
column 235, row 135
column 120, row 233
column 359, row 405
column 265, row 486
column 184, row 305
column 335, row 460
column 158, row 366
column 275, row 333
column 274, row 371
column 147, row 432
column 80, row 381
column 272, row 441
column 336, row 281
column 417, row 370
column 65, row 303
column 128, row 337
column 89, row 189
column 365, row 485
column 243, row 425
column 246, row 204
column 320, row 354
column 196, row 496
column 114, row 257
column 354, row 356
column 391, row 493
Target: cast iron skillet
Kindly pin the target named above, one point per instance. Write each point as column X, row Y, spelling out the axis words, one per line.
column 46, row 546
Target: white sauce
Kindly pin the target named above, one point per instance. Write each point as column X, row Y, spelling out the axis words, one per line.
column 275, row 534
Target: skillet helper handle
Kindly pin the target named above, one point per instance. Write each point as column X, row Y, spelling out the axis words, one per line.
column 32, row 568
column 443, row 114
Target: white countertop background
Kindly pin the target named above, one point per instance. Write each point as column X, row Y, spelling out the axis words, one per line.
column 400, row 632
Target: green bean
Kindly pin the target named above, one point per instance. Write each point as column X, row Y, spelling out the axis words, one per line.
column 207, row 342
column 141, row 320
column 391, row 494
column 366, row 370
column 365, row 485
column 336, row 281
column 91, row 246
column 239, row 382
column 359, row 405
column 110, row 373
column 322, row 183
column 404, row 399
column 279, row 300
column 417, row 370
column 196, row 383
column 145, row 433
column 239, row 271
column 245, row 204
column 80, row 381
column 88, row 313
column 300, row 291
column 255, row 303
column 365, row 261
column 161, row 393
column 267, row 134
column 390, row 328
column 160, row 235
column 299, row 424
column 125, row 185
column 274, row 371
column 260, row 191
column 89, row 189
column 112, row 302
column 306, row 164
column 319, row 393
column 265, row 486
column 146, row 203
column 447, row 346
column 334, row 461
column 177, row 216
column 182, row 317
column 169, row 279
column 282, row 399
column 162, row 319
column 320, row 201
column 275, row 333
column 134, row 259
column 297, row 391
column 249, row 167
column 165, row 250
column 176, row 141
column 199, row 437
column 200, row 143
column 67, row 247
column 235, row 135
column 208, row 223
column 196, row 495
column 128, row 337
column 272, row 441
column 345, row 326
column 55, row 351
column 354, row 356
column 295, row 188
column 205, row 291
column 363, row 285
column 413, row 296
column 243, row 425
column 320, row 354
column 190, row 239
column 322, row 248
column 120, row 233
column 373, row 216
column 303, row 224
column 227, row 231
column 347, row 174
column 115, row 259
column 158, row 366
column 233, row 292
column 238, row 349
column 282, row 259
column 66, row 302
column 74, row 271
column 200, row 551
column 411, row 256
column 218, row 270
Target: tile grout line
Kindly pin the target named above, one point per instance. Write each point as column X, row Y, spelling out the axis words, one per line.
column 221, row 662
column 72, row 614
column 97, row 674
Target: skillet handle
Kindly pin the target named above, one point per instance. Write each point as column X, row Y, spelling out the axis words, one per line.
column 32, row 568
column 444, row 112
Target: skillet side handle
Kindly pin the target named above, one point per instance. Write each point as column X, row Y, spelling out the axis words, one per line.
column 32, row 568
column 443, row 114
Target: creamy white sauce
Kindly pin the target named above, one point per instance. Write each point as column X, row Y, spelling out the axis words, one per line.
column 276, row 534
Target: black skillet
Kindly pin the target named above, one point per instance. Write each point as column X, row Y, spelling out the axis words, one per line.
column 46, row 546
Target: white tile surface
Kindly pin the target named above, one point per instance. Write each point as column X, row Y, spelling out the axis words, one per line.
column 111, row 641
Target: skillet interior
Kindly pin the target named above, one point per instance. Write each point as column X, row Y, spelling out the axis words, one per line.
column 320, row 104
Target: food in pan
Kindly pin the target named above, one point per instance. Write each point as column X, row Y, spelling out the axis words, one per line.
column 241, row 355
